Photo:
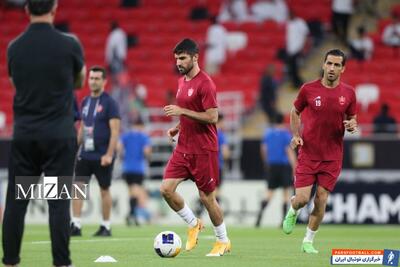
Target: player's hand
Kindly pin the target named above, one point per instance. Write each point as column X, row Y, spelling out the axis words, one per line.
column 172, row 110
column 350, row 125
column 106, row 160
column 171, row 133
column 296, row 141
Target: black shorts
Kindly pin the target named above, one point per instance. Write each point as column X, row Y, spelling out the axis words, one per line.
column 133, row 178
column 279, row 176
column 85, row 168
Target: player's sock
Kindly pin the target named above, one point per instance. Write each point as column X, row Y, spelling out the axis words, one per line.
column 132, row 205
column 106, row 224
column 220, row 233
column 263, row 204
column 187, row 215
column 76, row 221
column 310, row 234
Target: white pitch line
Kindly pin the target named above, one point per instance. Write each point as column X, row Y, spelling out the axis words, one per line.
column 46, row 242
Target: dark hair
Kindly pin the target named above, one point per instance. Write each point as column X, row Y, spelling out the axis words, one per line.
column 99, row 69
column 361, row 30
column 337, row 53
column 278, row 118
column 114, row 25
column 40, row 7
column 187, row 46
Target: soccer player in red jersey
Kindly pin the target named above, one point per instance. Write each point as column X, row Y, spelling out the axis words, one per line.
column 328, row 108
column 196, row 154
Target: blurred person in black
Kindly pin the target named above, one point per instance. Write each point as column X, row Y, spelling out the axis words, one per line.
column 44, row 66
column 268, row 90
column 383, row 122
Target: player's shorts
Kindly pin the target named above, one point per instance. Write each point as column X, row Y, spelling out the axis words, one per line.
column 85, row 168
column 279, row 175
column 201, row 168
column 133, row 178
column 324, row 173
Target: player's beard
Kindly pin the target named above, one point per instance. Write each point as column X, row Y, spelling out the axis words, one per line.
column 331, row 77
column 183, row 70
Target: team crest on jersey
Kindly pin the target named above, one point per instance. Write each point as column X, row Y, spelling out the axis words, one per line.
column 317, row 101
column 99, row 108
column 190, row 92
column 342, row 100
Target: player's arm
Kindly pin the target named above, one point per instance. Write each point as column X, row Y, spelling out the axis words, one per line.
column 80, row 78
column 263, row 152
column 173, row 131
column 147, row 151
column 120, row 149
column 350, row 123
column 295, row 124
column 112, row 144
column 208, row 116
column 80, row 134
column 226, row 152
column 291, row 157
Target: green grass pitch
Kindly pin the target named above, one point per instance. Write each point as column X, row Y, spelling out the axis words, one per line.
column 250, row 247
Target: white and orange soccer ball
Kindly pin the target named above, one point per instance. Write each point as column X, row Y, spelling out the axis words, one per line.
column 167, row 244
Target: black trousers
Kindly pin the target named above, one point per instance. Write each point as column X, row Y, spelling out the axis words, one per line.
column 54, row 157
column 293, row 69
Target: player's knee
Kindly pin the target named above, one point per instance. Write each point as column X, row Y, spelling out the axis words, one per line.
column 166, row 191
column 302, row 201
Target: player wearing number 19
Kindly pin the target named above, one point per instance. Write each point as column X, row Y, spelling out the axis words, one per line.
column 328, row 108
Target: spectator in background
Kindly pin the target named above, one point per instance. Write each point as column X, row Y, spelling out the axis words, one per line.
column 233, row 10
column 391, row 33
column 216, row 44
column 296, row 36
column 268, row 90
column 362, row 47
column 116, row 50
column 280, row 162
column 15, row 3
column 341, row 15
column 383, row 122
column 135, row 149
column 275, row 10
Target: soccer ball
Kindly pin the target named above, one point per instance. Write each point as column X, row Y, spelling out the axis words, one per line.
column 167, row 244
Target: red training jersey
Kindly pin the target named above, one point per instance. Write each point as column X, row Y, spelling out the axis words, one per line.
column 322, row 113
column 198, row 94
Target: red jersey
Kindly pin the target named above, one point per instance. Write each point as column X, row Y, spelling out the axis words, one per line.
column 322, row 113
column 198, row 94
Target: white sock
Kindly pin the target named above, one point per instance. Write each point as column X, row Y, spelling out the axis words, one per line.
column 309, row 235
column 77, row 222
column 293, row 211
column 106, row 224
column 187, row 215
column 220, row 233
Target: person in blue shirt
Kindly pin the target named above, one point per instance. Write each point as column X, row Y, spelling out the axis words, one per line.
column 135, row 149
column 97, row 137
column 280, row 161
column 224, row 154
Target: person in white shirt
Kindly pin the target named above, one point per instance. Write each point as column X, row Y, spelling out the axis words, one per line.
column 275, row 10
column 391, row 33
column 116, row 49
column 233, row 10
column 341, row 15
column 296, row 37
column 216, row 40
column 362, row 47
